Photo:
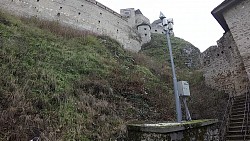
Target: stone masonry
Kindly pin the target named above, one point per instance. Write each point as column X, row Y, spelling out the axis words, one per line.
column 238, row 21
column 131, row 28
column 227, row 66
column 223, row 67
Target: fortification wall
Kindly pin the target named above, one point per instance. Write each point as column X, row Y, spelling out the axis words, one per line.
column 223, row 66
column 238, row 20
column 81, row 14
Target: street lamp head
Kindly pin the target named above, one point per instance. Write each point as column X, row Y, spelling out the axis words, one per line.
column 162, row 16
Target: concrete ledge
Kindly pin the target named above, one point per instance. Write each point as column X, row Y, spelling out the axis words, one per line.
column 196, row 129
column 171, row 126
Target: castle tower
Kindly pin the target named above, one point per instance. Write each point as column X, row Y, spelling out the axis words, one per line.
column 143, row 26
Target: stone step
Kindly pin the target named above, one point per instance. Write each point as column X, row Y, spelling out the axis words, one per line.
column 236, row 137
column 236, row 128
column 238, row 112
column 238, row 132
column 239, row 103
column 238, row 106
column 237, row 115
column 232, row 124
column 241, row 109
column 236, row 119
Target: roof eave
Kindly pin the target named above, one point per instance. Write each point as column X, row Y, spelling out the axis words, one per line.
column 218, row 12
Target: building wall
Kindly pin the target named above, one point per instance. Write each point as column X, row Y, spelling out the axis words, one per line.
column 156, row 27
column 238, row 20
column 81, row 14
column 144, row 31
column 223, row 66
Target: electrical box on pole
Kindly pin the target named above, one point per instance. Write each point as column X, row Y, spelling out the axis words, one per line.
column 183, row 88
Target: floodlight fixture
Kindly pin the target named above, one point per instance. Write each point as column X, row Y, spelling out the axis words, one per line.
column 162, row 16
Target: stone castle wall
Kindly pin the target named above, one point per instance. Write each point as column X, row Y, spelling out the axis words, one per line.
column 238, row 21
column 223, row 66
column 81, row 14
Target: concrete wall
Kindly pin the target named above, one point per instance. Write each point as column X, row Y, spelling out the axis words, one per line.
column 81, row 14
column 238, row 20
column 223, row 66
column 206, row 131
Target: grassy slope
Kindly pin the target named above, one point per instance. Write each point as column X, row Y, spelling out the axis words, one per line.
column 204, row 102
column 61, row 84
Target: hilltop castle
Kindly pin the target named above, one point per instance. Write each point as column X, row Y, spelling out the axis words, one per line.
column 131, row 28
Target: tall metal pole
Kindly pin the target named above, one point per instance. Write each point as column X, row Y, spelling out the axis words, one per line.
column 177, row 99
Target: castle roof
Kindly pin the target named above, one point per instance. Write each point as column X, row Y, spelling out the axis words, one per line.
column 138, row 11
column 156, row 22
column 218, row 12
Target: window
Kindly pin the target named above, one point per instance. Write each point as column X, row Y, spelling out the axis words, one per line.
column 127, row 13
column 99, row 21
column 146, row 34
column 37, row 0
column 60, row 8
column 79, row 13
column 145, row 28
column 155, row 30
column 222, row 52
column 58, row 14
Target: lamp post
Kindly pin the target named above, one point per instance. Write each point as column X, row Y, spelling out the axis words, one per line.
column 168, row 28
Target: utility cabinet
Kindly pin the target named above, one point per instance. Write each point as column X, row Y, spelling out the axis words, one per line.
column 183, row 88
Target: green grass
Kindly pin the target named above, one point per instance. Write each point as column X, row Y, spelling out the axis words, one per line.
column 59, row 83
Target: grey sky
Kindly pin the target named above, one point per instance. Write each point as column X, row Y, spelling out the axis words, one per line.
column 192, row 18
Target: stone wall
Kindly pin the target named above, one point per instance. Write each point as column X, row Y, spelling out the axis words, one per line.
column 201, row 131
column 81, row 14
column 223, row 66
column 238, row 21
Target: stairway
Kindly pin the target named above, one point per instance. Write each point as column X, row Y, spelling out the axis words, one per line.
column 234, row 132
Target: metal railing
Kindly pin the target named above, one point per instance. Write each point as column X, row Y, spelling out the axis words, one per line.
column 245, row 123
column 225, row 122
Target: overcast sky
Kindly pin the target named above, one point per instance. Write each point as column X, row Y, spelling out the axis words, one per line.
column 192, row 18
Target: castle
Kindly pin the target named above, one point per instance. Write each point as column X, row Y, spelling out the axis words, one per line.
column 227, row 66
column 131, row 28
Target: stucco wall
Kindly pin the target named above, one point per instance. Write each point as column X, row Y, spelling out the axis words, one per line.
column 223, row 66
column 80, row 14
column 238, row 20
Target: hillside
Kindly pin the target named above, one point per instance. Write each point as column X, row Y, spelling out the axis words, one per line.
column 62, row 84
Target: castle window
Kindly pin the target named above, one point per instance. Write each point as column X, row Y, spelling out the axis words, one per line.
column 82, row 5
column 222, row 52
column 37, row 0
column 118, row 22
column 218, row 54
column 117, row 30
column 79, row 13
column 162, row 32
column 155, row 30
column 60, row 8
column 145, row 28
column 58, row 14
column 127, row 13
column 229, row 47
column 100, row 13
column 146, row 34
column 99, row 21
